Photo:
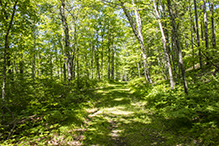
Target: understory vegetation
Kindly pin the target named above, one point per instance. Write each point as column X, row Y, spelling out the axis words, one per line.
column 38, row 112
column 193, row 117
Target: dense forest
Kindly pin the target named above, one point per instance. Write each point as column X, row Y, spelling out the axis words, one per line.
column 109, row 72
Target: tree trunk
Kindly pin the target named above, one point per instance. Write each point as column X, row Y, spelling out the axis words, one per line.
column 91, row 62
column 102, row 60
column 57, row 60
column 7, row 32
column 138, row 20
column 138, row 66
column 87, row 71
column 97, row 56
column 175, row 35
column 34, row 58
column 67, row 42
column 102, row 52
column 64, row 71
column 78, row 68
column 109, row 35
column 197, row 35
column 192, row 39
column 75, row 49
column 206, row 27
column 139, row 36
column 167, row 59
column 115, row 57
column 62, row 62
column 212, row 25
column 112, row 56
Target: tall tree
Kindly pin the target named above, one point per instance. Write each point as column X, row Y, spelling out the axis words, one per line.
column 177, row 43
column 6, row 43
column 139, row 36
column 167, row 59
column 212, row 24
column 67, row 41
column 97, row 54
column 197, row 35
column 112, row 56
column 206, row 27
column 102, row 46
column 109, row 50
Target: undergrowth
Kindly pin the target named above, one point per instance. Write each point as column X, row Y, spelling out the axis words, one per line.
column 194, row 116
column 36, row 113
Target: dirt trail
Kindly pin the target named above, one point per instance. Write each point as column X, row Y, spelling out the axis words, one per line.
column 119, row 119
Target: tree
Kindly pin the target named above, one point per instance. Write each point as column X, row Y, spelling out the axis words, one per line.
column 206, row 27
column 67, row 41
column 197, row 34
column 176, row 40
column 139, row 36
column 167, row 59
column 6, row 43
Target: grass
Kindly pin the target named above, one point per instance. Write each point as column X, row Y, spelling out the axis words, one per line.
column 114, row 115
column 122, row 118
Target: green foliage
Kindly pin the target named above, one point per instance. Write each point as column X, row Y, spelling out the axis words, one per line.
column 195, row 114
column 83, row 83
column 42, row 104
column 43, row 107
column 139, row 86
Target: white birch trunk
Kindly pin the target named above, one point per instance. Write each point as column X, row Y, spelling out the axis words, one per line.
column 167, row 58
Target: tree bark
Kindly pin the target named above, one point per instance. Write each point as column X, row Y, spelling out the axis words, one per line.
column 67, row 42
column 197, row 35
column 139, row 37
column 91, row 62
column 101, row 76
column 138, row 20
column 206, row 27
column 97, row 56
column 192, row 39
column 78, row 67
column 7, row 32
column 212, row 25
column 167, row 59
column 109, row 35
column 112, row 69
column 175, row 35
column 115, row 59
column 34, row 57
column 138, row 66
column 75, row 49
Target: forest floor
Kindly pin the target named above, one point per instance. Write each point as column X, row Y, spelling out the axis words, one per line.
column 113, row 115
column 120, row 118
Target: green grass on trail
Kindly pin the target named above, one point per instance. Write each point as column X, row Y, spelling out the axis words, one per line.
column 112, row 115
column 119, row 118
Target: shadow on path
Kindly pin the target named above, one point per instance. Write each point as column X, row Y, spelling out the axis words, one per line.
column 119, row 118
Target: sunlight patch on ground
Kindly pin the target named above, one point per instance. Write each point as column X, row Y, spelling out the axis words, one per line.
column 115, row 132
column 142, row 119
column 118, row 89
column 118, row 99
column 124, row 121
column 91, row 110
column 118, row 110
column 139, row 104
column 101, row 91
column 121, row 89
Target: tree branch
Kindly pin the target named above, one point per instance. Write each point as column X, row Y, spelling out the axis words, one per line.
column 12, row 17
